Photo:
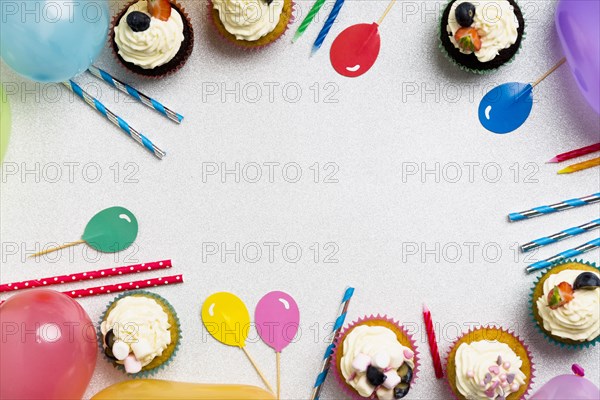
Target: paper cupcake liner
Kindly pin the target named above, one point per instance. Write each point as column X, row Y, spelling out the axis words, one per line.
column 161, row 300
column 473, row 70
column 183, row 57
column 509, row 332
column 349, row 391
column 553, row 339
column 245, row 44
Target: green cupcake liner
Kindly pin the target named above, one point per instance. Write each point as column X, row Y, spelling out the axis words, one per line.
column 150, row 372
column 570, row 346
column 472, row 70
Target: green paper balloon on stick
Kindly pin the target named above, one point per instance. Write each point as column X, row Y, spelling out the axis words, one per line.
column 111, row 230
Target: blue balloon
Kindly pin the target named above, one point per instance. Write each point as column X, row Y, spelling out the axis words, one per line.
column 52, row 40
column 506, row 107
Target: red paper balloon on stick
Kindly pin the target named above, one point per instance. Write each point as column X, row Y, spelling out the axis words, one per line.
column 356, row 49
column 48, row 348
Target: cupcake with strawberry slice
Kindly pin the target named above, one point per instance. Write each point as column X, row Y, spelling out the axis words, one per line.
column 480, row 36
column 566, row 304
column 152, row 38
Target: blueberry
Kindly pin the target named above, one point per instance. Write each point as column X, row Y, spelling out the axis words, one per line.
column 401, row 390
column 375, row 376
column 465, row 12
column 586, row 280
column 138, row 21
column 406, row 373
column 109, row 339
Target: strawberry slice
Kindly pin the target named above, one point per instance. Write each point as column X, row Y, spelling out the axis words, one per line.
column 560, row 295
column 468, row 39
column 160, row 9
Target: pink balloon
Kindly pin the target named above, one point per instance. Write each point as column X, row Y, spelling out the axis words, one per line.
column 567, row 387
column 48, row 347
column 277, row 319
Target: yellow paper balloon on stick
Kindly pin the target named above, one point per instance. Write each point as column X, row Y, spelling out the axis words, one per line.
column 227, row 319
column 153, row 389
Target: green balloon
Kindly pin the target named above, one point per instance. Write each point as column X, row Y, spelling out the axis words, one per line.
column 111, row 230
column 4, row 123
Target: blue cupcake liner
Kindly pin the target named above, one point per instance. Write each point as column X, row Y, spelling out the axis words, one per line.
column 474, row 70
column 161, row 300
column 570, row 346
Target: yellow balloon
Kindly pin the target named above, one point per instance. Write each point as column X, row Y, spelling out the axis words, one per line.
column 146, row 389
column 226, row 318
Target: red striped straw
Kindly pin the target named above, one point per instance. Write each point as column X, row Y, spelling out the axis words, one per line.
column 575, row 153
column 124, row 287
column 84, row 276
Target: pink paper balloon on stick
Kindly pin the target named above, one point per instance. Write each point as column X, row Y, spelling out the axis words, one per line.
column 48, row 348
column 277, row 319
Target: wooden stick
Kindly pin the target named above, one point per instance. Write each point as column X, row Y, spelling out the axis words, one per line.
column 551, row 70
column 258, row 370
column 277, row 355
column 387, row 10
column 64, row 246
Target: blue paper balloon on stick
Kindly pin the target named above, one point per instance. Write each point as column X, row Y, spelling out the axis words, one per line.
column 52, row 41
column 506, row 107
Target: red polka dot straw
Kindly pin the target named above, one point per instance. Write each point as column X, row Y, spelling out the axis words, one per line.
column 123, row 287
column 81, row 276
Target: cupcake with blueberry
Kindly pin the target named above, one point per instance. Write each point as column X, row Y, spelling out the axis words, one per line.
column 139, row 333
column 480, row 36
column 566, row 304
column 251, row 24
column 152, row 38
column 376, row 358
column 489, row 363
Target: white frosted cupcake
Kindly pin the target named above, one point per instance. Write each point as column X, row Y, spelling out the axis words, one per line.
column 152, row 38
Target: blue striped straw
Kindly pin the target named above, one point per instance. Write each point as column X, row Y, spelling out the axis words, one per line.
column 562, row 235
column 564, row 205
column 328, row 24
column 116, row 120
column 337, row 327
column 584, row 248
column 139, row 96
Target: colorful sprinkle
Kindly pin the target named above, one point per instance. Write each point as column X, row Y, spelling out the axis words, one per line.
column 408, row 354
column 506, row 365
column 491, row 393
column 510, row 378
column 494, row 369
column 488, row 378
column 470, row 373
column 499, row 360
column 514, row 387
column 502, row 377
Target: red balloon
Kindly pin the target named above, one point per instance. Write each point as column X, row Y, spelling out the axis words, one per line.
column 48, row 347
column 355, row 50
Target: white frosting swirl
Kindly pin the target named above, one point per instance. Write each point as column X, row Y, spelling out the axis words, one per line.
column 249, row 19
column 141, row 323
column 473, row 362
column 495, row 22
column 372, row 340
column 577, row 320
column 153, row 47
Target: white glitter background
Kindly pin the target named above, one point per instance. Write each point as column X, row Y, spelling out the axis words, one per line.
column 413, row 109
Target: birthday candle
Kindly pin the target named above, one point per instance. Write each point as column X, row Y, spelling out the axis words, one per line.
column 328, row 24
column 433, row 349
column 308, row 19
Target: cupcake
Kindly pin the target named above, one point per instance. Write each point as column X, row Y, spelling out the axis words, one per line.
column 139, row 333
column 375, row 358
column 489, row 363
column 152, row 38
column 566, row 303
column 251, row 24
column 482, row 35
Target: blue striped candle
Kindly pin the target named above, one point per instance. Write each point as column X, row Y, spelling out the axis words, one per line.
column 328, row 24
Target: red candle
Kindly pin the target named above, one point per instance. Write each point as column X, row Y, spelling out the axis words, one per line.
column 433, row 349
